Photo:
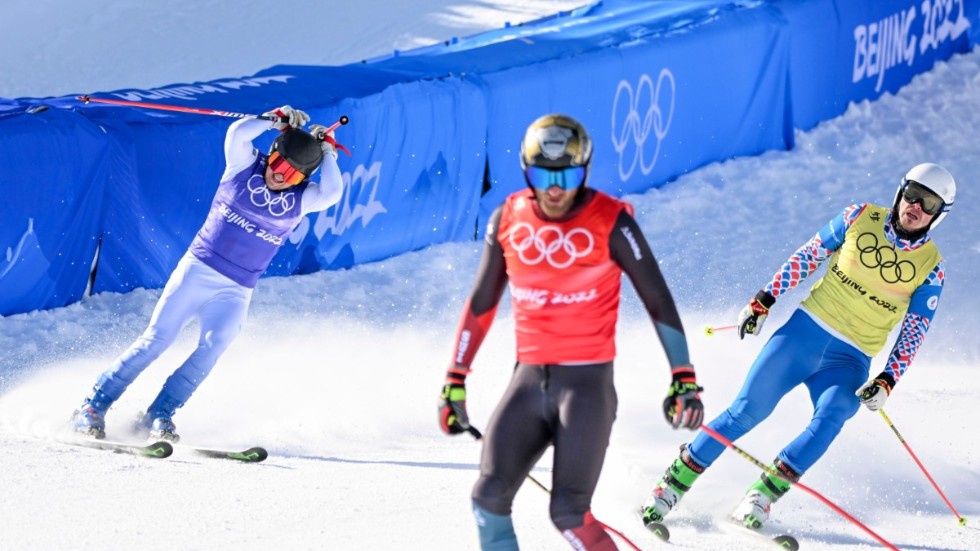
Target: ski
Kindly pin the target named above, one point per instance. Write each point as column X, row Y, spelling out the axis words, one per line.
column 156, row 450
column 659, row 529
column 782, row 541
column 251, row 455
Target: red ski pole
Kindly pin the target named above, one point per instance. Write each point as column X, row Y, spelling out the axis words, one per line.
column 710, row 330
column 962, row 520
column 772, row 472
column 196, row 110
column 199, row 111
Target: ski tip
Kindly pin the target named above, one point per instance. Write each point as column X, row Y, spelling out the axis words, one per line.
column 658, row 529
column 787, row 542
column 161, row 449
column 256, row 454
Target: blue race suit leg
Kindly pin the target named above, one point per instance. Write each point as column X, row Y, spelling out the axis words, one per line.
column 832, row 394
column 179, row 303
column 800, row 352
column 221, row 320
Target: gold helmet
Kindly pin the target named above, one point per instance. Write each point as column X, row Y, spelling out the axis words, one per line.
column 556, row 141
column 556, row 150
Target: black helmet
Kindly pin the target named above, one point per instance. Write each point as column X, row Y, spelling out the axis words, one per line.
column 556, row 141
column 300, row 149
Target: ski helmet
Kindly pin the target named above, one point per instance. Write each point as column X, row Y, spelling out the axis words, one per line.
column 300, row 149
column 556, row 142
column 937, row 180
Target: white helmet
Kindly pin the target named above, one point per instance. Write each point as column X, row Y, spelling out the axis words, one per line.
column 938, row 180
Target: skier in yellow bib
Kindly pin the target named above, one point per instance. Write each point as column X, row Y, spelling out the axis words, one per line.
column 883, row 269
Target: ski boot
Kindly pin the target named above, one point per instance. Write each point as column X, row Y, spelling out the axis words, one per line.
column 671, row 488
column 753, row 511
column 89, row 421
column 164, row 429
column 154, row 430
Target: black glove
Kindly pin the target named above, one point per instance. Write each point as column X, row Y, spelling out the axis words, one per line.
column 683, row 407
column 452, row 403
column 751, row 318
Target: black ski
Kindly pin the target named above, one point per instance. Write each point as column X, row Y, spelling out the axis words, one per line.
column 156, row 450
column 782, row 541
column 658, row 529
column 251, row 455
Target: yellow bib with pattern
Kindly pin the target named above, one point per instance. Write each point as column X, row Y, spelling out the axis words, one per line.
column 869, row 283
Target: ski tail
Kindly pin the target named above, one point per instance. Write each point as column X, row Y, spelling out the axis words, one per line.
column 156, row 450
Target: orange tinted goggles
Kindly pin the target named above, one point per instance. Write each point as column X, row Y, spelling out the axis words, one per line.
column 279, row 165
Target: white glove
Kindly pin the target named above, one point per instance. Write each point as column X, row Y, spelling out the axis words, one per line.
column 290, row 118
column 327, row 145
column 873, row 394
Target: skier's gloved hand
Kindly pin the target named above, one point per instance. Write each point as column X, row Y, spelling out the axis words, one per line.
column 751, row 318
column 683, row 407
column 452, row 402
column 327, row 141
column 874, row 392
column 289, row 118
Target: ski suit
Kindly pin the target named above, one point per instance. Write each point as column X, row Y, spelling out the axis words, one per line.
column 564, row 278
column 213, row 282
column 874, row 281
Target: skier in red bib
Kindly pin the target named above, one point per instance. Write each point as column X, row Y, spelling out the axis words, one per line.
column 562, row 248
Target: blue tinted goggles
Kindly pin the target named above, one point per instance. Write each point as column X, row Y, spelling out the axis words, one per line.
column 565, row 178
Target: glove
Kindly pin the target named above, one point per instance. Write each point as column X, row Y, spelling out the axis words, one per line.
column 874, row 392
column 683, row 407
column 327, row 142
column 452, row 409
column 452, row 403
column 290, row 118
column 751, row 318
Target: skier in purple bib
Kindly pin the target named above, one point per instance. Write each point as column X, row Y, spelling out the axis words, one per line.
column 259, row 201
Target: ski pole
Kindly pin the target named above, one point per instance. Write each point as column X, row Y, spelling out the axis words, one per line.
column 773, row 472
column 709, row 330
column 962, row 520
column 479, row 436
column 181, row 109
column 197, row 110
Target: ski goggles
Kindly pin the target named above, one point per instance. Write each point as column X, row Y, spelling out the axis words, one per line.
column 914, row 192
column 280, row 165
column 565, row 178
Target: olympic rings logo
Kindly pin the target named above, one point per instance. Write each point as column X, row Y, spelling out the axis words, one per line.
column 630, row 137
column 550, row 243
column 885, row 259
column 277, row 205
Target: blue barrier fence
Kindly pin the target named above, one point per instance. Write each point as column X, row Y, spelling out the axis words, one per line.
column 107, row 198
